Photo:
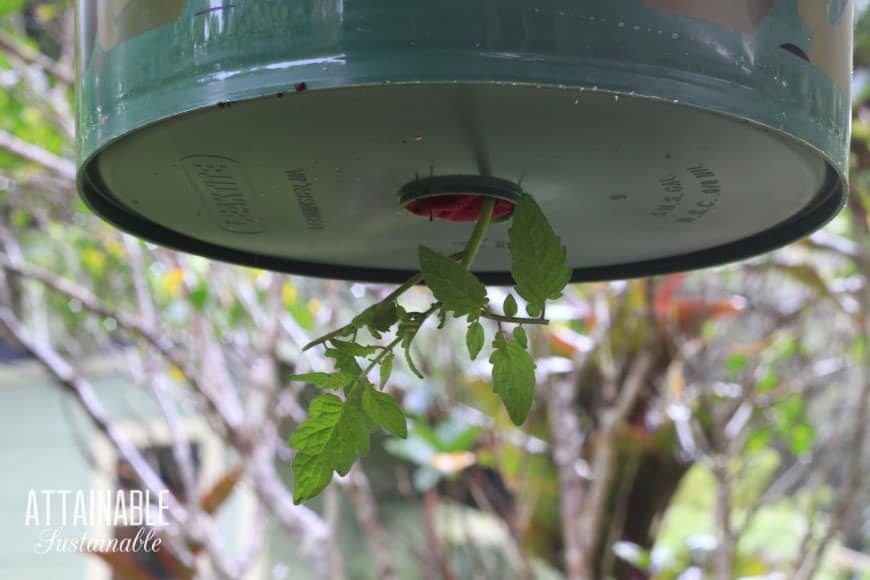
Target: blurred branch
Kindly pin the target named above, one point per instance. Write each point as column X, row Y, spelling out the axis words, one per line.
column 617, row 523
column 42, row 182
column 851, row 484
column 828, row 242
column 439, row 559
column 53, row 104
column 59, row 71
column 725, row 551
column 366, row 510
column 256, row 541
column 197, row 526
column 481, row 491
column 66, row 62
column 259, row 463
column 567, row 443
column 848, row 489
column 165, row 346
column 35, row 154
column 332, row 515
column 267, row 485
column 602, row 466
column 181, row 448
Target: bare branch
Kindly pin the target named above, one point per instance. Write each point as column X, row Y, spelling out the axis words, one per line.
column 199, row 528
column 260, row 467
column 849, row 488
column 181, row 448
column 826, row 241
column 367, row 514
column 567, row 442
column 315, row 534
column 332, row 514
column 602, row 467
column 162, row 344
column 13, row 46
column 53, row 104
column 256, row 541
column 631, row 388
column 567, row 445
column 35, row 154
column 726, row 549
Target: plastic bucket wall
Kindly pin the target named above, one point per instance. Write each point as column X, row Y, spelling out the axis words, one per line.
column 657, row 134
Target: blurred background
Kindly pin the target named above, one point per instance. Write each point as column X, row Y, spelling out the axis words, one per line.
column 709, row 425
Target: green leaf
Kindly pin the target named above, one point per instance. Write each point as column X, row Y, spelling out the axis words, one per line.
column 534, row 310
column 736, row 362
column 537, row 255
column 510, row 306
column 407, row 331
column 199, row 297
column 386, row 369
column 410, row 361
column 330, row 439
column 326, row 380
column 520, row 336
column 344, row 361
column 457, row 289
column 383, row 409
column 474, row 339
column 759, row 440
column 789, row 410
column 10, row 6
column 378, row 318
column 353, row 348
column 801, row 438
column 513, row 377
column 768, row 382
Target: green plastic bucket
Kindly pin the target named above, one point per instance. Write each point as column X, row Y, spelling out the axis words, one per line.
column 657, row 135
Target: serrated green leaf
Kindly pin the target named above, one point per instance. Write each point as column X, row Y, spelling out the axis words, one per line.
column 326, row 380
column 353, row 348
column 458, row 290
column 510, row 306
column 383, row 409
column 520, row 336
column 330, row 439
column 513, row 378
column 410, row 361
column 407, row 331
column 386, row 369
column 378, row 318
column 345, row 362
column 538, row 258
column 474, row 339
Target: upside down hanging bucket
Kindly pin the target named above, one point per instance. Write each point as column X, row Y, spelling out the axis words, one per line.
column 657, row 135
